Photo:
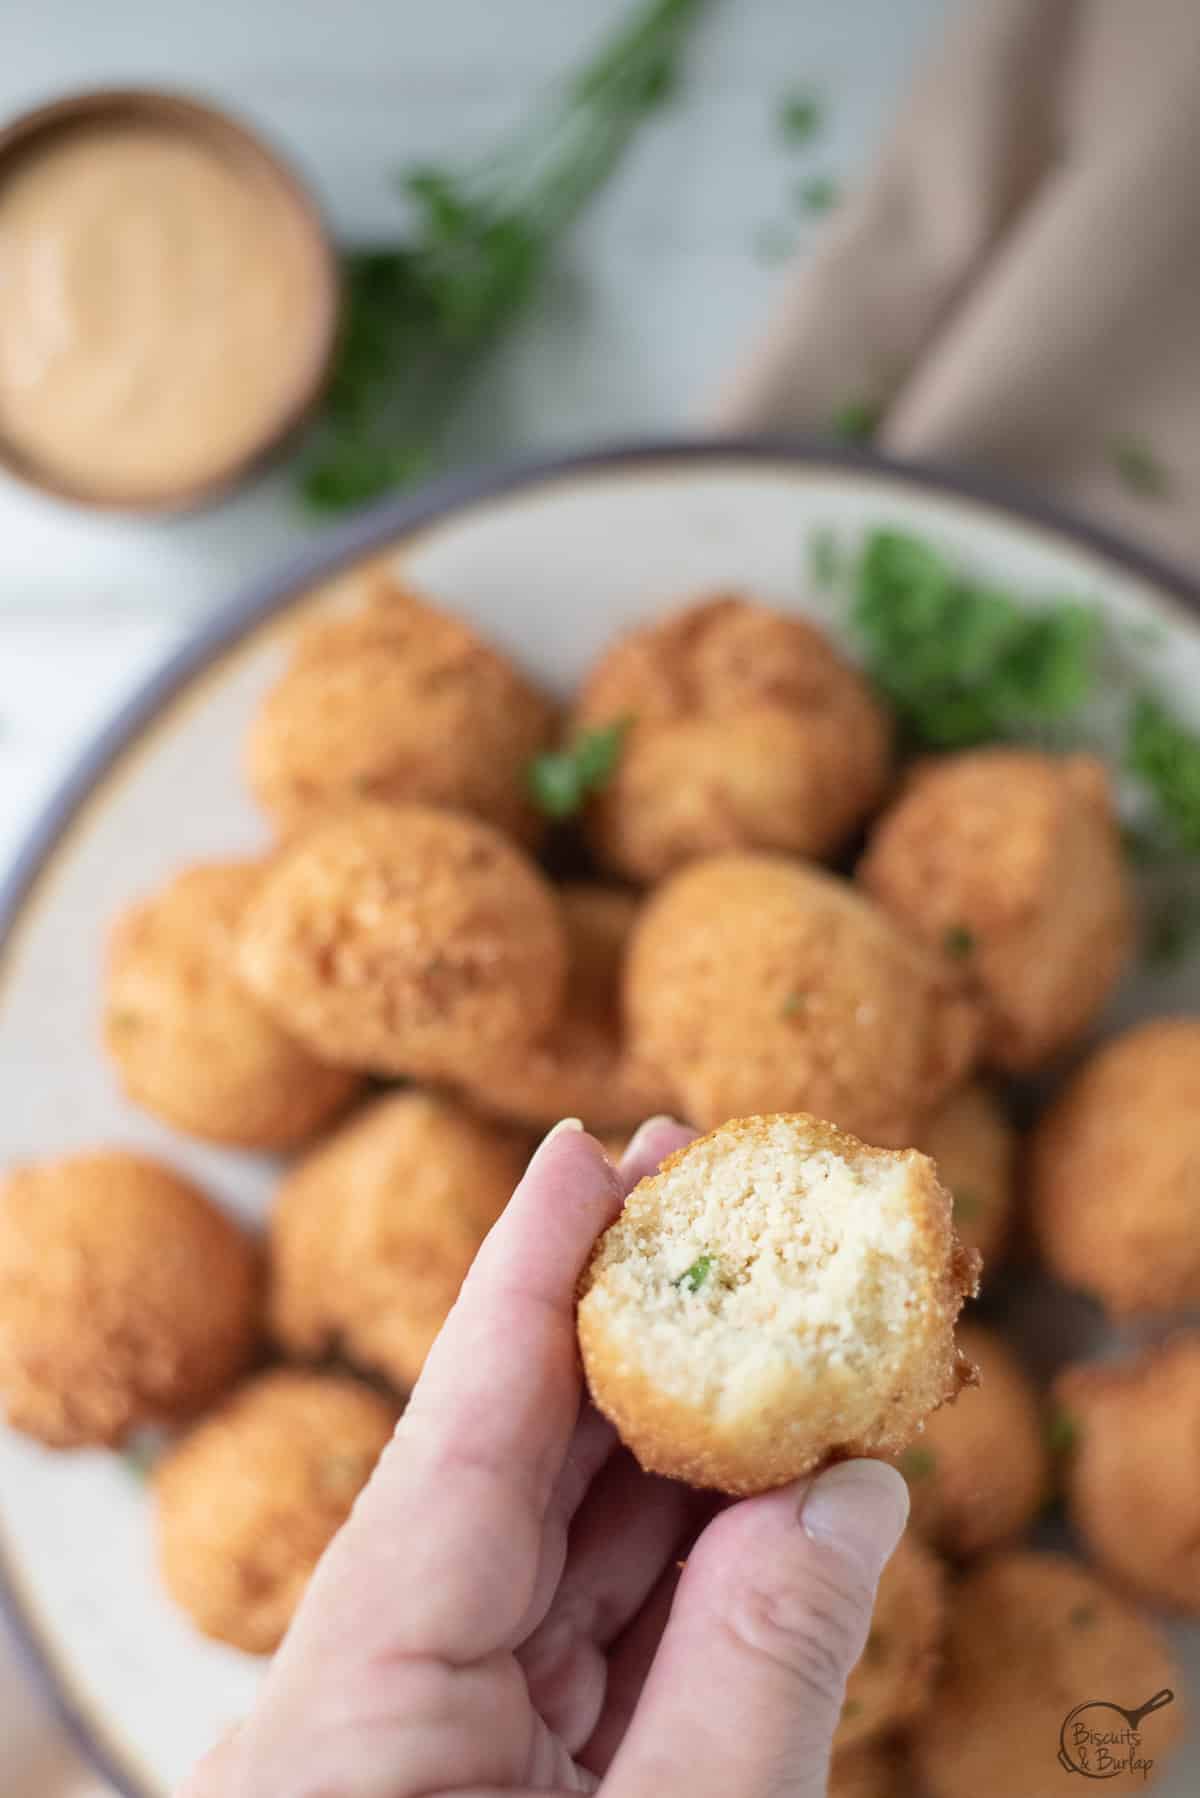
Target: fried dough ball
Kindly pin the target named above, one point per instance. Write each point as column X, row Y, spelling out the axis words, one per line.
column 397, row 701
column 406, row 941
column 1133, row 1472
column 582, row 1068
column 746, row 730
column 775, row 1295
column 250, row 1500
column 1010, row 863
column 127, row 1298
column 373, row 1232
column 757, row 984
column 1032, row 1637
column 892, row 1682
column 875, row 1770
column 979, row 1473
column 190, row 1042
column 1115, row 1172
column 975, row 1148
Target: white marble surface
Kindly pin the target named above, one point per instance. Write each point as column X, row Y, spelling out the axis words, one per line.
column 657, row 288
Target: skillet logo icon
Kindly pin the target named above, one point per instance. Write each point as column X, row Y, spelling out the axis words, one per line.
column 1101, row 1740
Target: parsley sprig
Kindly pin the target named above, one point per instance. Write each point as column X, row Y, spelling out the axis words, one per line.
column 560, row 780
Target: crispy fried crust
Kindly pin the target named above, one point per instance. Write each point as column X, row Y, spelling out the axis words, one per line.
column 249, row 1501
column 974, row 1146
column 738, row 1450
column 397, row 701
column 126, row 1297
column 188, row 1039
column 406, row 941
column 747, row 730
column 757, row 984
column 1032, row 1636
column 892, row 1683
column 1010, row 862
column 1132, row 1476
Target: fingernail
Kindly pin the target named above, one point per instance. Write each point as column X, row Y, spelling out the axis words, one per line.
column 858, row 1508
column 638, row 1140
column 564, row 1127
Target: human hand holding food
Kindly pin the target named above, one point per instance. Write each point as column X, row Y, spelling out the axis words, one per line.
column 515, row 1606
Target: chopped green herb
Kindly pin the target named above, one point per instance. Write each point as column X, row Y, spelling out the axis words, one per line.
column 1165, row 755
column 799, row 115
column 693, row 1277
column 958, row 941
column 794, row 1004
column 851, row 1709
column 857, row 421
column 1062, row 1432
column 1139, row 467
column 824, row 558
column 560, row 780
column 961, row 662
column 816, row 193
column 774, row 243
column 967, row 1206
column 419, row 314
column 918, row 1463
column 1082, row 1616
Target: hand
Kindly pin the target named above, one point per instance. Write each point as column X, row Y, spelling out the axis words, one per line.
column 505, row 1611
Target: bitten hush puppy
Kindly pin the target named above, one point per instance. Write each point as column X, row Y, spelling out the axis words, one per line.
column 126, row 1298
column 1010, row 864
column 250, row 1500
column 757, row 984
column 373, row 1232
column 979, row 1474
column 1113, row 1172
column 582, row 1068
column 895, row 1676
column 190, row 1042
column 746, row 730
column 975, row 1148
column 775, row 1295
column 1031, row 1637
column 1132, row 1472
column 406, row 941
column 396, row 700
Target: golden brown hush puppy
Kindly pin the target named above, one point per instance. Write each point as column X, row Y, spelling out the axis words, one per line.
column 582, row 1068
column 250, row 1500
column 974, row 1145
column 1132, row 1474
column 979, row 1473
column 1115, row 1171
column 373, row 1232
column 1009, row 863
column 894, row 1678
column 1032, row 1637
column 406, row 941
column 757, row 984
column 746, row 730
column 126, row 1297
column 190, row 1042
column 396, row 700
column 775, row 1295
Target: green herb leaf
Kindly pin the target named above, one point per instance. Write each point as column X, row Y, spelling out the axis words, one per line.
column 560, row 780
column 857, row 421
column 816, row 193
column 918, row 1463
column 693, row 1277
column 1062, row 1432
column 961, row 662
column 1138, row 467
column 420, row 313
column 958, row 942
column 967, row 1207
column 1165, row 755
column 794, row 1004
column 851, row 1709
column 799, row 115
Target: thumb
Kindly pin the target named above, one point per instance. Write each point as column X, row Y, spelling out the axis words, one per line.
column 770, row 1616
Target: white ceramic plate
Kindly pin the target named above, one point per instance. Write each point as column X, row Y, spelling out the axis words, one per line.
column 550, row 562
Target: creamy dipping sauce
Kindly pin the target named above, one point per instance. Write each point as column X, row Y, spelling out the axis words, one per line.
column 161, row 309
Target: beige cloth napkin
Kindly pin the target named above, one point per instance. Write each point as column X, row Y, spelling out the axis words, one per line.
column 1018, row 283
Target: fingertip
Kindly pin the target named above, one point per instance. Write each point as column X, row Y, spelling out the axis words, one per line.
column 650, row 1145
column 860, row 1508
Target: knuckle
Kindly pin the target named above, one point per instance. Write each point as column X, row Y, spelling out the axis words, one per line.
column 812, row 1624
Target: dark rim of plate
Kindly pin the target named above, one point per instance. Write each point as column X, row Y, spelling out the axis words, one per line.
column 373, row 530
